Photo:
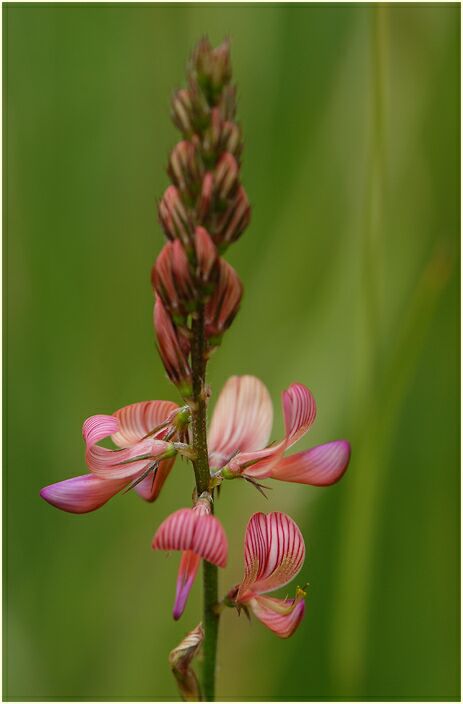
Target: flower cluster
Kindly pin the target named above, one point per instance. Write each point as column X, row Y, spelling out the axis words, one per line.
column 148, row 437
column 196, row 297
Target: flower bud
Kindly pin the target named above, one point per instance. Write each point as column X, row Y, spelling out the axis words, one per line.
column 226, row 176
column 231, row 139
column 212, row 68
column 173, row 348
column 207, row 191
column 212, row 136
column 206, row 258
column 182, row 110
column 185, row 169
column 180, row 659
column 234, row 221
column 224, row 303
column 173, row 216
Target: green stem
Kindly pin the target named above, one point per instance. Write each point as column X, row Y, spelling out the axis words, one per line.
column 202, row 475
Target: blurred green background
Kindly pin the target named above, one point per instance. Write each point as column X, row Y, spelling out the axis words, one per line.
column 350, row 267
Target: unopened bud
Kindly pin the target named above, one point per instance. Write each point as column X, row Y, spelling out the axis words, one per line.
column 207, row 191
column 234, row 221
column 182, row 111
column 212, row 68
column 206, row 259
column 226, row 176
column 185, row 169
column 212, row 137
column 173, row 349
column 180, row 659
column 231, row 139
column 228, row 103
column 224, row 303
column 173, row 216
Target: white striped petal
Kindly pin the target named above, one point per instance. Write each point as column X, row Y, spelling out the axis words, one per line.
column 274, row 552
column 242, row 419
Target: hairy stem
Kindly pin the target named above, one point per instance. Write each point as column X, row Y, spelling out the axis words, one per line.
column 201, row 468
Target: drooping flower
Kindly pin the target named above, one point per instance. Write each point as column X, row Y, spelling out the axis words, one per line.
column 274, row 553
column 143, row 433
column 240, row 431
column 198, row 534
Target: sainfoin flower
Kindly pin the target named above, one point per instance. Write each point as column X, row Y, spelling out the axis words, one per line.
column 198, row 534
column 142, row 433
column 241, row 427
column 274, row 553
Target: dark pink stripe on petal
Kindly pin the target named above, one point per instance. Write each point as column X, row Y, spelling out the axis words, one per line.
column 274, row 553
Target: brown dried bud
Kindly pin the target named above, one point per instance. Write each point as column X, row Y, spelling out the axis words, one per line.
column 174, row 217
column 180, row 659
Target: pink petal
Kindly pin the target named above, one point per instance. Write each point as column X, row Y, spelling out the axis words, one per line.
column 117, row 464
column 150, row 490
column 320, row 466
column 274, row 552
column 98, row 427
column 82, row 494
column 186, row 575
column 282, row 616
column 299, row 411
column 139, row 419
column 242, row 419
column 187, row 529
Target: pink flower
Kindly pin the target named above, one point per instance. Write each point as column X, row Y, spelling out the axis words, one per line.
column 198, row 534
column 274, row 553
column 240, row 431
column 142, row 432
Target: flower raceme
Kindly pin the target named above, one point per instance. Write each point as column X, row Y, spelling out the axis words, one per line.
column 198, row 534
column 274, row 553
column 144, row 434
column 240, row 431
